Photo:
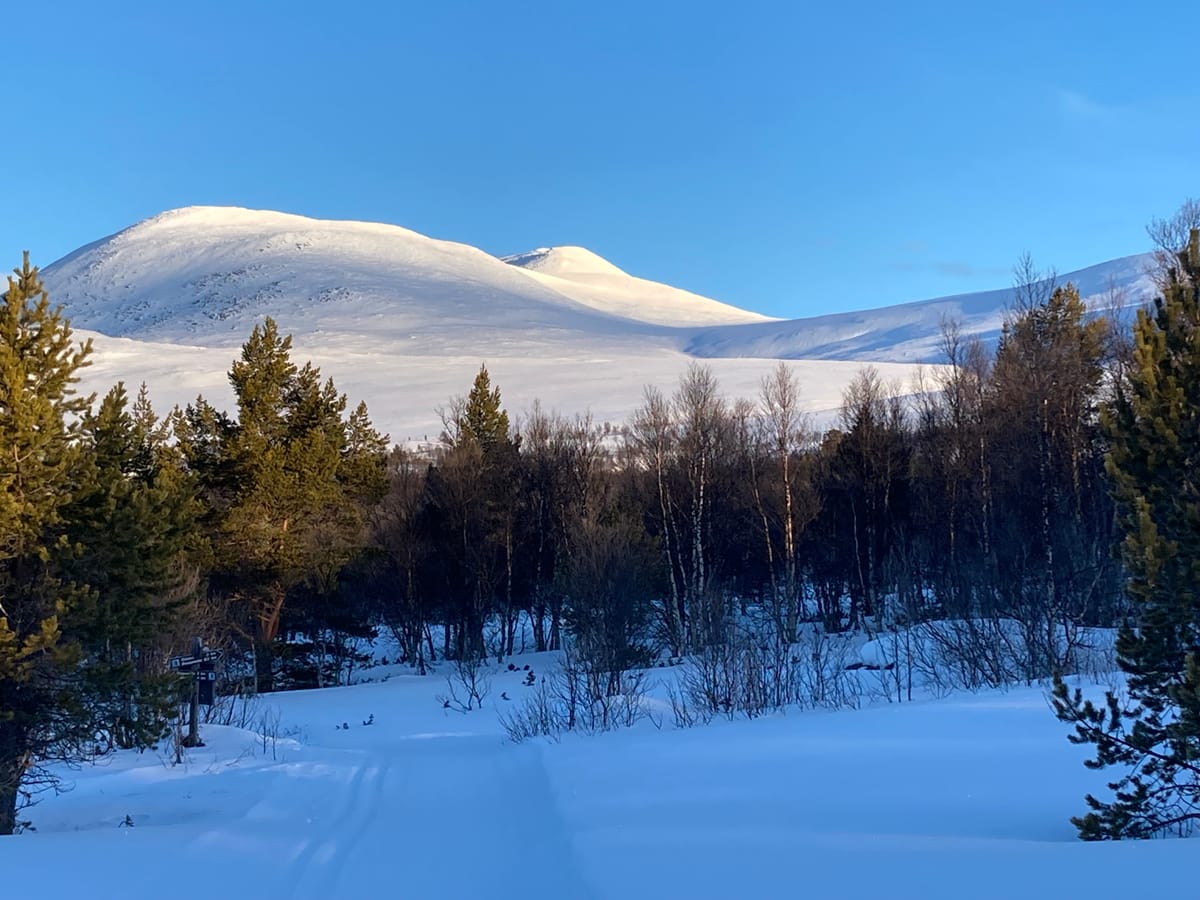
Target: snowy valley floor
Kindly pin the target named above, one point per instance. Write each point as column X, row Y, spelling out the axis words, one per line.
column 966, row 797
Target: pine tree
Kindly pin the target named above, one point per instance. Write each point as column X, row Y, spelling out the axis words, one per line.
column 287, row 483
column 472, row 494
column 43, row 706
column 481, row 419
column 135, row 527
column 1154, row 429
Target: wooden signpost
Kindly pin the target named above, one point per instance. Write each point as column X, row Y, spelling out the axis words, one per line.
column 201, row 666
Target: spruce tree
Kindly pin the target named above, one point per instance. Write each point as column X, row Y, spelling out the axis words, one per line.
column 1153, row 730
column 44, row 709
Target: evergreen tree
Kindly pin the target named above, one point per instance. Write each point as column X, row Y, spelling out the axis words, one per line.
column 472, row 495
column 1154, row 428
column 287, row 482
column 44, row 711
column 135, row 529
column 481, row 419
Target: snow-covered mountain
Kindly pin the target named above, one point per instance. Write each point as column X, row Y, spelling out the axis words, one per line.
column 913, row 331
column 403, row 320
column 208, row 273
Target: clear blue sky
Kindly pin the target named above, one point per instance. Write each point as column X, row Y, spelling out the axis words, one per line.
column 790, row 157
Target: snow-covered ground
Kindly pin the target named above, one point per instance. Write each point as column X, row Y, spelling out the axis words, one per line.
column 967, row 796
column 404, row 393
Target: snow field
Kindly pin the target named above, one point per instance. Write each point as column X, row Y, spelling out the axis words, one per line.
column 964, row 797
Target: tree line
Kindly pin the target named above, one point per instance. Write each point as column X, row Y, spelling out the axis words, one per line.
column 286, row 530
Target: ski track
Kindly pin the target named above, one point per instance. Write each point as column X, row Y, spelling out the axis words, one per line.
column 336, row 850
column 322, row 857
column 502, row 800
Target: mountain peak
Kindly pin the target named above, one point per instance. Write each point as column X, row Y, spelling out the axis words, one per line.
column 564, row 262
column 225, row 219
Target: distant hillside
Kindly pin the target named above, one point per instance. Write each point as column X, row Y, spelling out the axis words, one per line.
column 911, row 332
column 206, row 274
column 404, row 321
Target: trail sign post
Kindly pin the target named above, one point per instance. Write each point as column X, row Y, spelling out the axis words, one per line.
column 200, row 664
column 206, row 681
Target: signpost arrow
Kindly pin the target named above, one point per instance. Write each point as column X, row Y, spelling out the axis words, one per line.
column 188, row 662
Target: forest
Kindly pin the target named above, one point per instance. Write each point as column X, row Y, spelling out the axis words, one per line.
column 1000, row 525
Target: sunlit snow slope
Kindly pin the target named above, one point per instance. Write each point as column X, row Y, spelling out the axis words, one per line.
column 912, row 332
column 208, row 273
column 594, row 281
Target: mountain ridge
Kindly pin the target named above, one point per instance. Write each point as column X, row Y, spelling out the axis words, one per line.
column 206, row 274
column 403, row 321
column 912, row 331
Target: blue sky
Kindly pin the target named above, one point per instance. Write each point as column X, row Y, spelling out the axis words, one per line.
column 793, row 158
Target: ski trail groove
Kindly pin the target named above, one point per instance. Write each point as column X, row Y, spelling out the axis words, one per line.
column 302, row 866
column 336, row 849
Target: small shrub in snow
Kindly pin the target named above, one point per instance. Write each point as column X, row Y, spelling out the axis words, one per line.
column 749, row 674
column 539, row 714
column 468, row 685
column 270, row 732
column 237, row 710
column 578, row 697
